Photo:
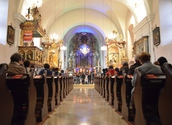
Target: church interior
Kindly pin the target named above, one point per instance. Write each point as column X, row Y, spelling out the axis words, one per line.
column 85, row 36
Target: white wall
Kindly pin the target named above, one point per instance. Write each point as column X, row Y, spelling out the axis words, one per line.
column 163, row 19
column 5, row 49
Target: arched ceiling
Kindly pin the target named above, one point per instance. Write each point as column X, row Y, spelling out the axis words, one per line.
column 82, row 13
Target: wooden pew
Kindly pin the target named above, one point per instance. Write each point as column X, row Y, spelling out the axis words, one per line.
column 165, row 99
column 6, row 99
column 41, row 110
column 146, row 96
column 51, row 92
column 64, row 87
column 126, row 97
column 96, row 80
column 117, row 92
column 111, row 90
column 103, row 87
column 61, row 88
column 67, row 85
column 70, row 84
column 57, row 90
column 24, row 96
column 101, row 83
column 107, row 88
column 31, row 118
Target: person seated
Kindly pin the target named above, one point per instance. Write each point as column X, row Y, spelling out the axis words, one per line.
column 161, row 60
column 27, row 66
column 146, row 67
column 136, row 64
column 46, row 69
column 124, row 68
column 15, row 66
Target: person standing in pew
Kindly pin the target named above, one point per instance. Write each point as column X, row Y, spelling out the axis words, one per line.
column 145, row 68
column 47, row 69
column 136, row 64
column 15, row 66
column 111, row 71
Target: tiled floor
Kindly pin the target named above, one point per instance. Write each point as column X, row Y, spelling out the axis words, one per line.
column 84, row 106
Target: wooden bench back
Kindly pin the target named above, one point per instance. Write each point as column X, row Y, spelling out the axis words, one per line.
column 40, row 82
column 126, row 97
column 165, row 99
column 24, row 96
column 117, row 92
column 146, row 95
column 6, row 99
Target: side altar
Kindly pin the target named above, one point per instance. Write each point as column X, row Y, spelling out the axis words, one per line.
column 33, row 54
column 116, row 52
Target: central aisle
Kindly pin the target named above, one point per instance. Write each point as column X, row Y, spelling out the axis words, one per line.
column 84, row 106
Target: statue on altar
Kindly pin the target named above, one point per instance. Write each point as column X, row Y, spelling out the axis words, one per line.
column 95, row 58
column 70, row 60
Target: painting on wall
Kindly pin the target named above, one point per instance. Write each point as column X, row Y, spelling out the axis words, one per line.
column 10, row 35
column 156, row 36
column 141, row 45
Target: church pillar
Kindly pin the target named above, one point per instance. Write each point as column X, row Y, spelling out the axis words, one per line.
column 18, row 20
column 150, row 19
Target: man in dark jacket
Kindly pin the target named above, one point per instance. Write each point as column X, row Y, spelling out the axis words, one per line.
column 132, row 67
column 47, row 69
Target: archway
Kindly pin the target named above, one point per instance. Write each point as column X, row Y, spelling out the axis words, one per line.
column 84, row 52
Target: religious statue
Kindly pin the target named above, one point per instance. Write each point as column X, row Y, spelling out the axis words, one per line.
column 95, row 56
column 71, row 58
column 70, row 62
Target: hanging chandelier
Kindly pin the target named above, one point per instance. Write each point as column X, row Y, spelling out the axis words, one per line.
column 112, row 35
column 54, row 37
column 135, row 3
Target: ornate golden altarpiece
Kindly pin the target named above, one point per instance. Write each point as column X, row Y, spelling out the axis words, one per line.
column 50, row 52
column 33, row 54
column 116, row 53
column 34, row 29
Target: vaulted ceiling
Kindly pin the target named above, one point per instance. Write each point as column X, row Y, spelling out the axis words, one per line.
column 66, row 17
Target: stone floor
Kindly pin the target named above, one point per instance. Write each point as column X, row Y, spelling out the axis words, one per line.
column 84, row 106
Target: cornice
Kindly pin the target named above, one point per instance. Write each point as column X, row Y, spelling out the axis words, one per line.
column 19, row 17
column 146, row 20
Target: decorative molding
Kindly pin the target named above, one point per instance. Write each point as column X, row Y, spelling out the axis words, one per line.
column 19, row 17
column 145, row 21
